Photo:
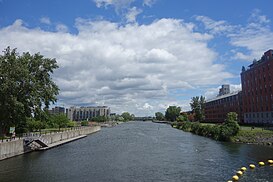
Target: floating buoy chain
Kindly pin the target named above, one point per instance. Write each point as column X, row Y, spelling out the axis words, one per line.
column 251, row 166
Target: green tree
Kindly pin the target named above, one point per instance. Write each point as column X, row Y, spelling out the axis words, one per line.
column 127, row 116
column 133, row 117
column 26, row 87
column 120, row 118
column 159, row 116
column 100, row 119
column 34, row 125
column 71, row 124
column 84, row 123
column 182, row 117
column 198, row 108
column 172, row 113
column 232, row 122
column 60, row 120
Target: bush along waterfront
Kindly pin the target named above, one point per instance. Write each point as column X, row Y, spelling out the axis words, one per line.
column 221, row 132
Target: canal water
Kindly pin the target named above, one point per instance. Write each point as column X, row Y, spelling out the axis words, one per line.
column 136, row 152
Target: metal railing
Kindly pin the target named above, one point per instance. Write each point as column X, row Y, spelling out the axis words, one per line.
column 38, row 134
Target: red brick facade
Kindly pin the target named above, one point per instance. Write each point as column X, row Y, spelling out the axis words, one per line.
column 257, row 94
column 216, row 109
column 254, row 104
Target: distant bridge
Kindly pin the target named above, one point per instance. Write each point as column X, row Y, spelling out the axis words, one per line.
column 146, row 118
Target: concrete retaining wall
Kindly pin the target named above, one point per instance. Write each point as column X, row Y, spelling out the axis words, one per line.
column 12, row 148
column 56, row 137
column 16, row 147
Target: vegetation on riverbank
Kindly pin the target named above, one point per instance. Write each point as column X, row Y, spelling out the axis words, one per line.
column 222, row 132
column 254, row 136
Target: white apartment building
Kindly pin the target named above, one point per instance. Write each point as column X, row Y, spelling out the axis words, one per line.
column 87, row 113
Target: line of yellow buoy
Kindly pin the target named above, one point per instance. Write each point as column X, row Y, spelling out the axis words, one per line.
column 243, row 169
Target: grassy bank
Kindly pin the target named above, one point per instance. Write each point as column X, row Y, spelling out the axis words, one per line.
column 223, row 132
column 255, row 136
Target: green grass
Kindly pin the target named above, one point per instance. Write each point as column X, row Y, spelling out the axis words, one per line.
column 256, row 135
column 208, row 124
column 249, row 128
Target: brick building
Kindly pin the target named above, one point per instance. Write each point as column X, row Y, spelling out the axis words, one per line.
column 216, row 109
column 257, row 95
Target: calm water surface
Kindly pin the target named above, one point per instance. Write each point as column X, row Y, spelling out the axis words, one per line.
column 139, row 151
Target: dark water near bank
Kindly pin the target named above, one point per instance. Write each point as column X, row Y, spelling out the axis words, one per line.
column 139, row 151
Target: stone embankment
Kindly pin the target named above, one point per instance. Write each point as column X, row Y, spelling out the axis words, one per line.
column 18, row 146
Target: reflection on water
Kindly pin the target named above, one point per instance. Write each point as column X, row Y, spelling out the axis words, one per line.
column 139, row 151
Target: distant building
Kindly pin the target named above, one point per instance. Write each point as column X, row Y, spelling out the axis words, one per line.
column 224, row 90
column 216, row 109
column 257, row 93
column 87, row 113
column 254, row 104
column 57, row 110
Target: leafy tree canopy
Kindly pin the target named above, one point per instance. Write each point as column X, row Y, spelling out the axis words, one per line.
column 100, row 119
column 198, row 108
column 26, row 87
column 159, row 116
column 127, row 116
column 172, row 113
column 60, row 120
column 182, row 117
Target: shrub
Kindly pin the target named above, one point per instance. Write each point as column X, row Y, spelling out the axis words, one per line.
column 84, row 123
column 71, row 124
column 218, row 132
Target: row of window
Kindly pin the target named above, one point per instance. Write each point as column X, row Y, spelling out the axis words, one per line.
column 259, row 115
column 231, row 99
column 257, row 107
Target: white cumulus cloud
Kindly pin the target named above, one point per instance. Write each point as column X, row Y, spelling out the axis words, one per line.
column 45, row 20
column 122, row 66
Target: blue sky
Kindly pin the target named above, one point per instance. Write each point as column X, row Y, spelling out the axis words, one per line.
column 140, row 55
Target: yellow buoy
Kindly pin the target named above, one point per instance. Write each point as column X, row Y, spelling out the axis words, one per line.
column 243, row 169
column 235, row 178
column 261, row 163
column 252, row 166
column 229, row 181
column 239, row 173
column 270, row 161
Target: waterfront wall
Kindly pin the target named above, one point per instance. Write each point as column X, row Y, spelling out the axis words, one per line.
column 12, row 148
column 56, row 137
column 16, row 147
